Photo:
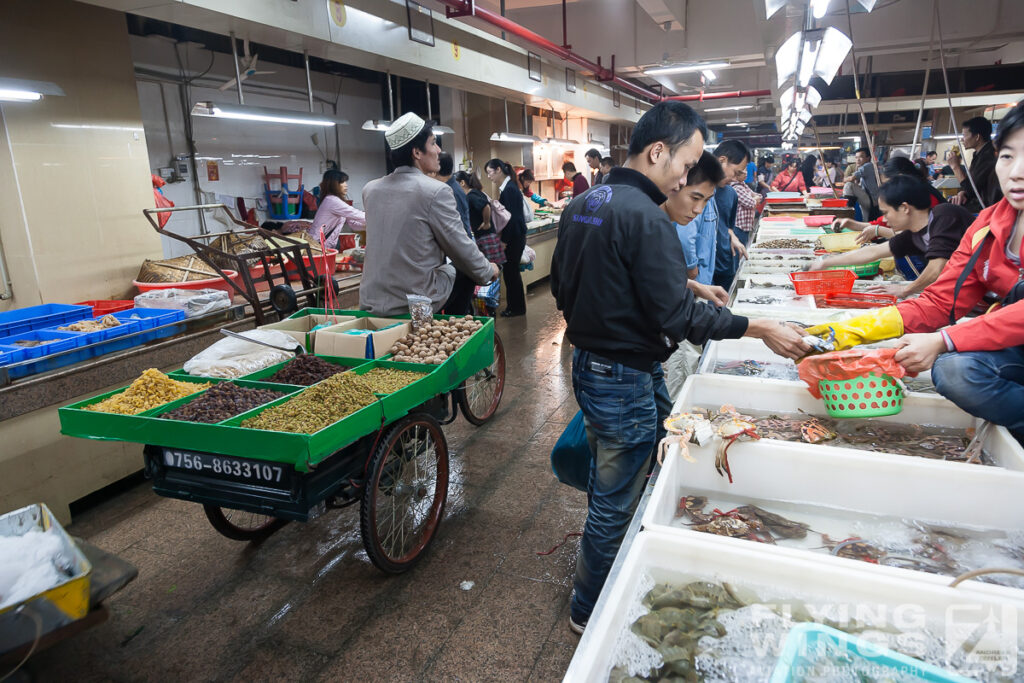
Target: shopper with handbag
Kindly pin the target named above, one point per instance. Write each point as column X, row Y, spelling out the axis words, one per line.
column 512, row 231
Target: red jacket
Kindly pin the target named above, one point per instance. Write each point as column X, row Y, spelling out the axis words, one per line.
column 993, row 272
column 782, row 182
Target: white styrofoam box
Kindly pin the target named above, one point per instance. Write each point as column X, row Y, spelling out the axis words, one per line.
column 752, row 393
column 789, row 298
column 852, row 482
column 727, row 350
column 806, row 316
column 670, row 558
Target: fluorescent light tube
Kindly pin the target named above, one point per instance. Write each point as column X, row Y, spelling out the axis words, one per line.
column 262, row 114
column 561, row 141
column 736, row 125
column 684, row 68
column 514, row 137
column 7, row 95
column 735, row 108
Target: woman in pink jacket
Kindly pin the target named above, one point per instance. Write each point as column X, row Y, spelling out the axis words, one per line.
column 335, row 213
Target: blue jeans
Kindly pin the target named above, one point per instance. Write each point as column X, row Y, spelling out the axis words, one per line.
column 986, row 384
column 623, row 410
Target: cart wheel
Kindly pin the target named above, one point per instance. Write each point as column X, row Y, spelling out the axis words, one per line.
column 283, row 299
column 480, row 395
column 322, row 284
column 239, row 525
column 404, row 499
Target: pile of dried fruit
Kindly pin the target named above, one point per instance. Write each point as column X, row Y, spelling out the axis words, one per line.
column 153, row 388
column 435, row 342
column 304, row 371
column 106, row 322
column 782, row 243
column 316, row 407
column 223, row 401
column 390, row 380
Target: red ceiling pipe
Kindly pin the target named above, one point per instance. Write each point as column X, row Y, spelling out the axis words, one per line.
column 718, row 95
column 543, row 43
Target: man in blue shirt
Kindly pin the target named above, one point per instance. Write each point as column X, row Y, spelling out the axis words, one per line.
column 733, row 155
column 698, row 238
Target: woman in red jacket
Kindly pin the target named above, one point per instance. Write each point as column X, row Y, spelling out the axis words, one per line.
column 790, row 179
column 977, row 363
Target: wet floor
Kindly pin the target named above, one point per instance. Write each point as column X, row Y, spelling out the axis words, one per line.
column 308, row 605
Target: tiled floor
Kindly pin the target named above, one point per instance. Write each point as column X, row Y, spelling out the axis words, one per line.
column 308, row 605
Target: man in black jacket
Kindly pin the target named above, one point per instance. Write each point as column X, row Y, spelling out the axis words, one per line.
column 619, row 277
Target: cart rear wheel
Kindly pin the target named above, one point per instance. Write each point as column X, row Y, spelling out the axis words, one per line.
column 283, row 299
column 480, row 395
column 240, row 525
column 404, row 498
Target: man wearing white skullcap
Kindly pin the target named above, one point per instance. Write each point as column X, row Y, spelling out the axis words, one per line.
column 412, row 225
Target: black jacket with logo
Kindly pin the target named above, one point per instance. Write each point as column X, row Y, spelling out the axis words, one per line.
column 619, row 276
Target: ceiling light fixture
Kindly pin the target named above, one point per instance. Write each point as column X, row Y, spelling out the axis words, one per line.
column 262, row 114
column 944, row 137
column 735, row 108
column 684, row 68
column 506, row 136
column 736, row 125
column 380, row 124
column 849, row 137
column 817, row 52
column 773, row 6
column 21, row 90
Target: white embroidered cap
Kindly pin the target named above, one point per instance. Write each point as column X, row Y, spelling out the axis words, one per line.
column 404, row 129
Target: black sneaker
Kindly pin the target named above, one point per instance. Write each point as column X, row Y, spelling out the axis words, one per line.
column 577, row 628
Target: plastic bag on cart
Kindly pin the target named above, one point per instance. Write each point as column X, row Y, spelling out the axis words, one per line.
column 848, row 364
column 230, row 358
column 194, row 302
column 571, row 458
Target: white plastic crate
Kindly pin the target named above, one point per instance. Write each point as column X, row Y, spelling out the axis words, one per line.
column 751, row 393
column 851, row 482
column 669, row 558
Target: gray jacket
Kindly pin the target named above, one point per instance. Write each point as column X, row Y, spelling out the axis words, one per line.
column 411, row 225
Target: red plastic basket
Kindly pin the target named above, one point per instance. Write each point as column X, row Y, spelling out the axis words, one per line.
column 823, row 281
column 833, row 203
column 818, row 221
column 859, row 300
column 102, row 307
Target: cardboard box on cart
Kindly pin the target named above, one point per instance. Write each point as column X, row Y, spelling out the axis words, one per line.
column 299, row 328
column 361, row 338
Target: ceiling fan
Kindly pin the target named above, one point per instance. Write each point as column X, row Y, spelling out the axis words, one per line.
column 247, row 67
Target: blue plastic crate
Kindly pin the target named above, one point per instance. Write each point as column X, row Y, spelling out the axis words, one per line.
column 11, row 354
column 22, row 320
column 65, row 341
column 154, row 317
column 126, row 327
column 807, row 643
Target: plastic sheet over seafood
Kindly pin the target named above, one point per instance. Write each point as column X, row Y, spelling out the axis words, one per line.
column 936, row 548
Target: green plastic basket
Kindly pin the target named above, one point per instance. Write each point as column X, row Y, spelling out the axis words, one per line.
column 870, row 395
column 863, row 270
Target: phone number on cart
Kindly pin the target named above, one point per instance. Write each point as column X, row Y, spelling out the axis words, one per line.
column 200, row 462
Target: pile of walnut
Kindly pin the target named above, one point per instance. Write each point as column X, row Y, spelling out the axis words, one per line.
column 434, row 342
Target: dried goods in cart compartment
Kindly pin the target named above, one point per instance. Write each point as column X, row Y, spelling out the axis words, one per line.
column 390, row 380
column 305, row 370
column 222, row 402
column 151, row 390
column 317, row 407
column 436, row 341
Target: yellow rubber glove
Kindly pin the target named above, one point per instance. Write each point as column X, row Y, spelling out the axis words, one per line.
column 885, row 323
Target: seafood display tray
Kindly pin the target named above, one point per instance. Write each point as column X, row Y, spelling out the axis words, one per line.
column 792, row 397
column 848, row 482
column 806, row 316
column 730, row 350
column 671, row 558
